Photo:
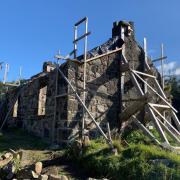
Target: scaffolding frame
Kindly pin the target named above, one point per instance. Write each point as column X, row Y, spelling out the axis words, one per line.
column 76, row 40
column 156, row 116
column 136, row 77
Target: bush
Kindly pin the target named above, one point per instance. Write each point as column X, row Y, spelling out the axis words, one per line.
column 133, row 162
column 135, row 137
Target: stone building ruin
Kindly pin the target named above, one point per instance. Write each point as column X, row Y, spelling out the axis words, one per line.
column 122, row 85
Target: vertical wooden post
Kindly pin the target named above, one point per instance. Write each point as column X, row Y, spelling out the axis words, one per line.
column 84, row 82
column 109, row 132
column 20, row 75
column 123, row 55
column 145, row 61
column 6, row 73
column 156, row 123
column 55, row 100
column 162, row 66
column 75, row 44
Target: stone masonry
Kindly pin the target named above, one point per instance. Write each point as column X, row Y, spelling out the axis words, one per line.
column 35, row 109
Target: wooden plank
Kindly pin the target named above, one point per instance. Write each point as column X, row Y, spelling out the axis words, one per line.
column 55, row 106
column 160, row 106
column 145, row 130
column 144, row 74
column 156, row 123
column 173, row 136
column 102, row 55
column 81, row 37
column 158, row 59
column 90, row 59
column 136, row 84
column 109, row 131
column 160, row 91
column 156, row 92
column 80, row 21
column 175, row 130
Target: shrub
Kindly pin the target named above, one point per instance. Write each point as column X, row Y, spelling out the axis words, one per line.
column 133, row 162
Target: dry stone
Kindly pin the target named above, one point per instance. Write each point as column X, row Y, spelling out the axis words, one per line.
column 44, row 177
column 63, row 177
column 38, row 167
column 54, row 177
column 34, row 175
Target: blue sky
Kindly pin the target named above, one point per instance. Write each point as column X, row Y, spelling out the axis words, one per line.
column 33, row 31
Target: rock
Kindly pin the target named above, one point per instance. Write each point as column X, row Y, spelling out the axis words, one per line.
column 77, row 146
column 34, row 175
column 102, row 89
column 166, row 162
column 44, row 177
column 50, row 170
column 63, row 177
column 54, row 177
column 7, row 155
column 100, row 108
column 38, row 168
column 5, row 161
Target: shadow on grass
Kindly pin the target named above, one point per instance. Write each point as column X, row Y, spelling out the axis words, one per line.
column 18, row 139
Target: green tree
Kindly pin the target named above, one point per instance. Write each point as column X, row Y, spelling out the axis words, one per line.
column 174, row 83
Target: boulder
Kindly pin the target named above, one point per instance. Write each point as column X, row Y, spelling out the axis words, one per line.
column 7, row 155
column 34, row 175
column 38, row 167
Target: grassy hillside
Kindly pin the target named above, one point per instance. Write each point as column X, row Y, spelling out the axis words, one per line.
column 136, row 161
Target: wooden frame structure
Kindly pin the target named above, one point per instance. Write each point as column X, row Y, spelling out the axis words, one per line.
column 156, row 116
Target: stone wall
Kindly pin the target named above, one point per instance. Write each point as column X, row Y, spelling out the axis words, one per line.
column 102, row 93
column 104, row 98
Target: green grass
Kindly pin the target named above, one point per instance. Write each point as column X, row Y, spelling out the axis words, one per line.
column 137, row 136
column 18, row 139
column 132, row 162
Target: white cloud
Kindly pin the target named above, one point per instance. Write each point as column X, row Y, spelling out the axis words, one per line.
column 177, row 71
column 170, row 68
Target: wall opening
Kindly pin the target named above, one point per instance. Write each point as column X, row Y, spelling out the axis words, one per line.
column 42, row 101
